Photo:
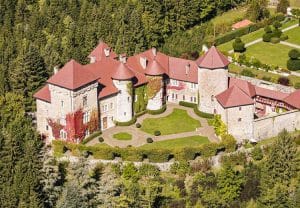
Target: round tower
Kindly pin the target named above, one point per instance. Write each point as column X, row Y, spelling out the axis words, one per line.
column 122, row 79
column 155, row 87
column 212, row 78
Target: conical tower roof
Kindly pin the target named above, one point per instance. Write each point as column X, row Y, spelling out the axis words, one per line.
column 213, row 59
column 154, row 69
column 122, row 73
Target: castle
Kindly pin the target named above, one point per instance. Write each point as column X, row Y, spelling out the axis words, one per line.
column 80, row 99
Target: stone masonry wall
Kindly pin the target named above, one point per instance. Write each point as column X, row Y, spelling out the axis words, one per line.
column 211, row 82
column 272, row 125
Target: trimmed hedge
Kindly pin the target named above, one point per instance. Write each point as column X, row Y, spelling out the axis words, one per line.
column 91, row 137
column 275, row 40
column 138, row 154
column 196, row 110
column 159, row 111
column 128, row 123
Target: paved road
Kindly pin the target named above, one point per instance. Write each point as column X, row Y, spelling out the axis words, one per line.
column 260, row 39
column 139, row 137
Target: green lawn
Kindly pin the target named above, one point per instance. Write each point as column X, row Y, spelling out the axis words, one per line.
column 122, row 136
column 177, row 122
column 294, row 35
column 175, row 143
column 259, row 74
column 267, row 53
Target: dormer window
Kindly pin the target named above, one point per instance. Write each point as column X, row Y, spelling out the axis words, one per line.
column 143, row 62
column 107, row 52
column 84, row 101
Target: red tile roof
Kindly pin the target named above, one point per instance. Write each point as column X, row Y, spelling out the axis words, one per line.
column 154, row 68
column 179, row 71
column 233, row 97
column 246, row 86
column 243, row 23
column 293, row 99
column 275, row 95
column 213, row 59
column 72, row 76
column 122, row 72
column 99, row 54
column 43, row 94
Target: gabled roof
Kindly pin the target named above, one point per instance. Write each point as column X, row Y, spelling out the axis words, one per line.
column 212, row 59
column 275, row 95
column 72, row 76
column 233, row 97
column 241, row 24
column 43, row 94
column 246, row 86
column 122, row 72
column 293, row 99
column 178, row 70
column 99, row 53
column 154, row 68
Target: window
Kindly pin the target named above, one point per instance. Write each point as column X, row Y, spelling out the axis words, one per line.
column 212, row 98
column 215, row 111
column 86, row 117
column 62, row 103
column 124, row 113
column 195, row 99
column 87, row 132
column 240, row 119
column 63, row 134
column 84, row 101
column 193, row 86
column 128, row 98
column 47, row 127
column 240, row 108
column 173, row 96
column 63, row 120
column 105, row 108
column 112, row 118
column 174, row 82
column 176, row 96
column 183, row 97
column 111, row 106
column 191, row 99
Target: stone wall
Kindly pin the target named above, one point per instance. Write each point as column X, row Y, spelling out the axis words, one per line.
column 272, row 125
column 42, row 114
column 211, row 82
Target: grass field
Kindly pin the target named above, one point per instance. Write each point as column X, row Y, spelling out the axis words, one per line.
column 177, row 122
column 294, row 35
column 122, row 136
column 259, row 74
column 180, row 142
column 271, row 54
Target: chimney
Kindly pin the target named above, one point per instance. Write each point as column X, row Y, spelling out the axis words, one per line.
column 187, row 69
column 143, row 62
column 92, row 59
column 154, row 51
column 106, row 51
column 55, row 69
column 122, row 58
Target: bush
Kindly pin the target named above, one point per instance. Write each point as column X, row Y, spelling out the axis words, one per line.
column 293, row 65
column 257, row 153
column 159, row 111
column 294, row 54
column 229, row 143
column 267, row 37
column 284, row 37
column 127, row 123
column 283, row 81
column 247, row 72
column 138, row 125
column 140, row 113
column 203, row 114
column 149, row 140
column 277, row 24
column 268, row 29
column 187, row 104
column 91, row 137
column 297, row 85
column 277, row 33
column 157, row 133
column 275, row 40
column 100, row 139
column 238, row 45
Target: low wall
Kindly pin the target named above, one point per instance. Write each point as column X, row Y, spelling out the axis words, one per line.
column 272, row 125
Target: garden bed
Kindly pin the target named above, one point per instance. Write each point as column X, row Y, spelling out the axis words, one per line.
column 122, row 136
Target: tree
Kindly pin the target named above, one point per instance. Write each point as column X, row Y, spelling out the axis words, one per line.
column 282, row 6
column 238, row 45
column 257, row 10
column 293, row 63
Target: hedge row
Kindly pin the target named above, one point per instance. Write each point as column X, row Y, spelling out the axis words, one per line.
column 91, row 137
column 127, row 123
column 138, row 154
column 159, row 111
column 196, row 110
column 246, row 30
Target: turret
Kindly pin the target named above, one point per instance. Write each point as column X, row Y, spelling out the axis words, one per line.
column 122, row 79
column 212, row 78
column 154, row 72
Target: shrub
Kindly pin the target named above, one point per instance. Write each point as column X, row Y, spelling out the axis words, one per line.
column 138, row 125
column 127, row 123
column 277, row 24
column 247, row 72
column 156, row 112
column 283, row 81
column 268, row 29
column 293, row 65
column 238, row 45
column 229, row 142
column 203, row 114
column 294, row 54
column 297, row 85
column 149, row 140
column 257, row 153
column 157, row 133
column 275, row 40
column 277, row 33
column 284, row 37
column 100, row 139
column 187, row 104
column 267, row 37
column 180, row 168
column 238, row 158
column 91, row 137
